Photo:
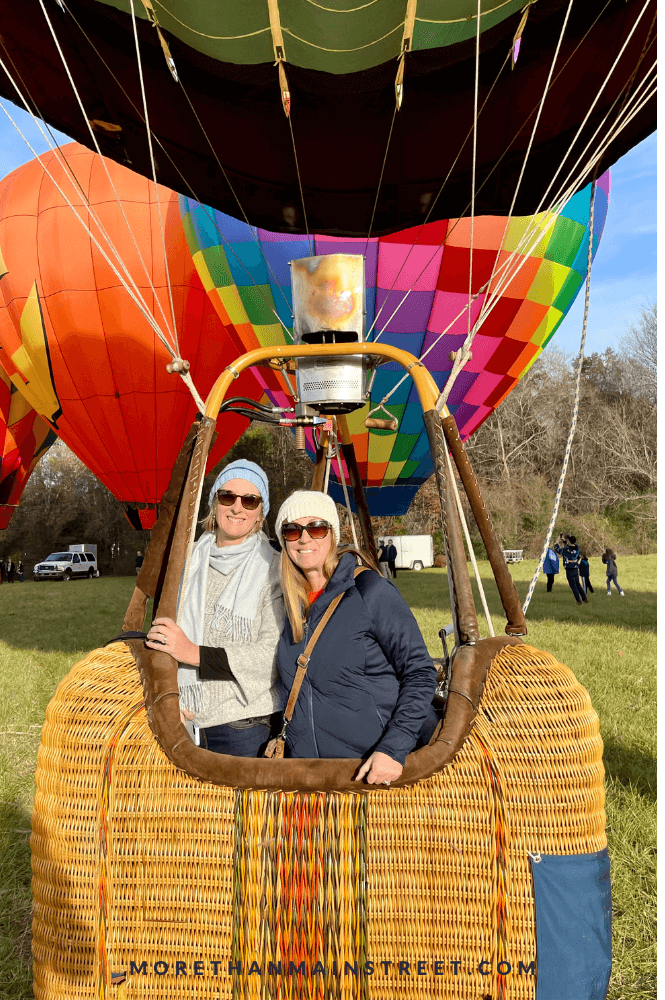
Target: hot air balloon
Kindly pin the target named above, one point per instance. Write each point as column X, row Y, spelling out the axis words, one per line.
column 218, row 79
column 24, row 438
column 76, row 345
column 526, row 271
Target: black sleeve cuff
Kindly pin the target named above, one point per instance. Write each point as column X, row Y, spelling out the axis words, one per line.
column 214, row 664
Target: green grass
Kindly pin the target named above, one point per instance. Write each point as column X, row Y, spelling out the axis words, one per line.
column 610, row 644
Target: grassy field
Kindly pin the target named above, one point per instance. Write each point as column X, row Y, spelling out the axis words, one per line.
column 610, row 644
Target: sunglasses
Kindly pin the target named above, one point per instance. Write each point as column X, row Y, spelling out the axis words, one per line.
column 291, row 532
column 249, row 500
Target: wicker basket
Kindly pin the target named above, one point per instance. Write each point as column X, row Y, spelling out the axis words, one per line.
column 135, row 861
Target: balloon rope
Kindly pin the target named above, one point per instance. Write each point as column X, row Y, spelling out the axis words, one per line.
column 302, row 194
column 140, row 305
column 576, row 405
column 472, row 554
column 203, row 34
column 495, row 167
column 458, row 20
column 560, row 198
column 378, row 187
column 108, row 176
column 463, row 355
column 593, row 104
column 528, row 151
column 251, row 228
column 474, row 153
column 357, row 48
column 154, row 172
column 429, row 213
column 536, row 230
column 182, row 176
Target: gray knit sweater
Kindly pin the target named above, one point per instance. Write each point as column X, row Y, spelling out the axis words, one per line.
column 253, row 691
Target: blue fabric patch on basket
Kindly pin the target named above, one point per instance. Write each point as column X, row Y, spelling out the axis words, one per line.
column 573, row 925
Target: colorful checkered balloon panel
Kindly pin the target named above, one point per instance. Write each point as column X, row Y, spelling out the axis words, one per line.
column 426, row 287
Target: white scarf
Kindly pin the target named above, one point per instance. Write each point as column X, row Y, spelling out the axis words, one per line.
column 238, row 604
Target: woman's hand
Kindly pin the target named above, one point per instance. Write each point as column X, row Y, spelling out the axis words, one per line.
column 379, row 769
column 168, row 637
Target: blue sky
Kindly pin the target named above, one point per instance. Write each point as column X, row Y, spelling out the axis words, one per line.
column 623, row 278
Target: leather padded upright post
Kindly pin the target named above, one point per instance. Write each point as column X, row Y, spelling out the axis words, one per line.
column 509, row 598
column 458, row 573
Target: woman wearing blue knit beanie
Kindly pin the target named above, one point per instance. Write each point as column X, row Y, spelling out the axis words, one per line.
column 230, row 616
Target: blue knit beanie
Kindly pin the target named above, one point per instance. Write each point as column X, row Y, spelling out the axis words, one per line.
column 243, row 469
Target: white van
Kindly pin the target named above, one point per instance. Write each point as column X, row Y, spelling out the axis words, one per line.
column 413, row 551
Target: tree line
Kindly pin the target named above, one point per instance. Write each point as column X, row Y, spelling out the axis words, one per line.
column 609, row 495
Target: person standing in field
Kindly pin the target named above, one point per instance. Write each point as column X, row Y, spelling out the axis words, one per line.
column 567, row 548
column 19, row 571
column 584, row 574
column 391, row 552
column 383, row 559
column 550, row 568
column 609, row 557
column 10, row 570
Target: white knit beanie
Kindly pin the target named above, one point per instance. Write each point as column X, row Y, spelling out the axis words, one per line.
column 308, row 503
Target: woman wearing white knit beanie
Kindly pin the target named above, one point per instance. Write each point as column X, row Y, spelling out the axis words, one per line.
column 370, row 681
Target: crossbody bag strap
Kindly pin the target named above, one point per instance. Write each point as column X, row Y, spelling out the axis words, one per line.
column 275, row 747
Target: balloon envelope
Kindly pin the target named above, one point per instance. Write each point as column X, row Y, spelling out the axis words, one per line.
column 341, row 62
column 418, row 292
column 75, row 344
column 24, row 438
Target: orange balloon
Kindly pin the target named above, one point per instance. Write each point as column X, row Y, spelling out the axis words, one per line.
column 79, row 349
column 24, row 438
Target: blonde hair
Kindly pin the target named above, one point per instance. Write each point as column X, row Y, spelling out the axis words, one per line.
column 209, row 522
column 296, row 589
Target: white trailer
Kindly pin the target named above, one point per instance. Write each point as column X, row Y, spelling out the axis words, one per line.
column 413, row 551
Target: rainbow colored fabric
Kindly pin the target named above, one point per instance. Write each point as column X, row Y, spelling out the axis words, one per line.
column 246, row 273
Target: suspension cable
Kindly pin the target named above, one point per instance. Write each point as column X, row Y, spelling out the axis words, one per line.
column 154, row 169
column 576, row 405
column 472, row 554
column 107, row 172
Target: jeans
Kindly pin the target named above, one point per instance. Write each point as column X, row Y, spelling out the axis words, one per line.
column 240, row 742
column 573, row 577
column 613, row 579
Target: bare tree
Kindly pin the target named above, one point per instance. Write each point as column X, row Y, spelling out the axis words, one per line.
column 639, row 347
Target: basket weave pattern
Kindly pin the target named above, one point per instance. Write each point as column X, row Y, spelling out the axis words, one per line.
column 135, row 860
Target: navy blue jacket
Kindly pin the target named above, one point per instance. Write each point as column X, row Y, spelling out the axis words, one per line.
column 370, row 682
column 571, row 555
